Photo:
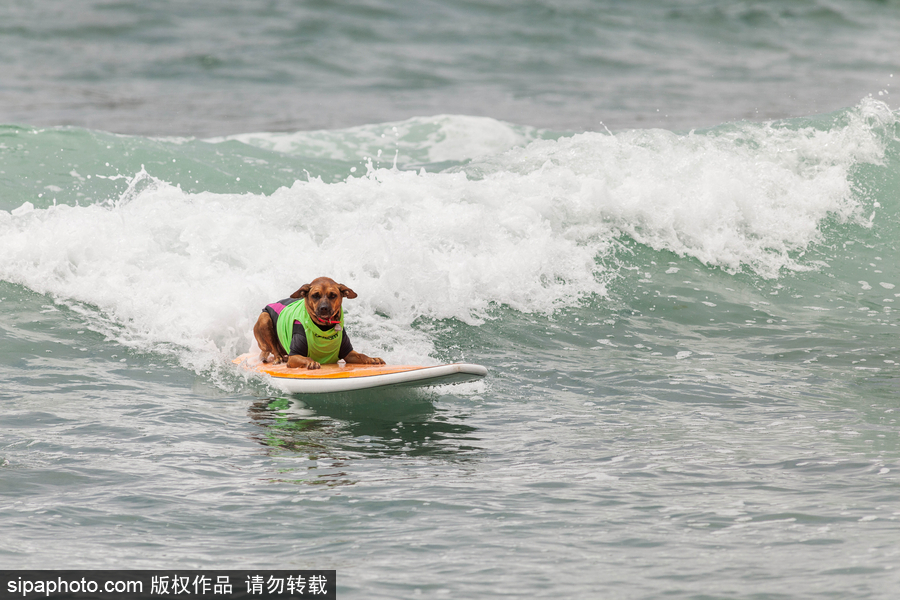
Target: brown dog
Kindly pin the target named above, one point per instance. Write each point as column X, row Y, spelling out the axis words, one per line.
column 323, row 298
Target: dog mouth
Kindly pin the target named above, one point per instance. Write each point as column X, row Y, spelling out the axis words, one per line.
column 326, row 315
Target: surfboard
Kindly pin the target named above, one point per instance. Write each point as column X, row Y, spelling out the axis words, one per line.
column 345, row 378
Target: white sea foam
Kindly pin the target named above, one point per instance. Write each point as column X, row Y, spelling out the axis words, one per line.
column 192, row 271
column 533, row 228
column 440, row 138
column 747, row 195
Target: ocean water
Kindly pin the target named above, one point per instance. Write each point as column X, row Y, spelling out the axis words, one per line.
column 668, row 229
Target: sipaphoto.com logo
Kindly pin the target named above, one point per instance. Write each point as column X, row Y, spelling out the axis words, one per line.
column 23, row 587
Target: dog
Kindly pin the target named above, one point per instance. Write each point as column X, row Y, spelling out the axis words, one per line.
column 322, row 324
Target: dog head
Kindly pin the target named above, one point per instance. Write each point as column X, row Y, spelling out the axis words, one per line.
column 323, row 298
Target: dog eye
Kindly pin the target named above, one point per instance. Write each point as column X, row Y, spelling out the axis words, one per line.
column 315, row 296
column 332, row 295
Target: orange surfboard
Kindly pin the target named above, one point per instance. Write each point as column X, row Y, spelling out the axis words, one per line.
column 344, row 378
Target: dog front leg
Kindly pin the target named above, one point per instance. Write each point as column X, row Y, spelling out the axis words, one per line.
column 295, row 361
column 361, row 359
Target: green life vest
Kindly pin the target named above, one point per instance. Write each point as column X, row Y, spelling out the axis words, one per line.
column 324, row 346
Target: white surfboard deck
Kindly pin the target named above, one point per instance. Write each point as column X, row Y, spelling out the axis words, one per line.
column 346, row 378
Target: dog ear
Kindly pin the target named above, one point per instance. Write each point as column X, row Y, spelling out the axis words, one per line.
column 302, row 292
column 346, row 292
